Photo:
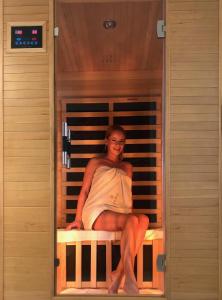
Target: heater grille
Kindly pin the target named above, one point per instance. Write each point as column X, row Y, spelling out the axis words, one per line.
column 88, row 120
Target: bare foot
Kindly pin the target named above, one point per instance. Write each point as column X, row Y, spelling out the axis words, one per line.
column 115, row 280
column 130, row 287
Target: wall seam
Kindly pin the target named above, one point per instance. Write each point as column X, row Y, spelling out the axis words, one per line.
column 1, row 159
column 220, row 154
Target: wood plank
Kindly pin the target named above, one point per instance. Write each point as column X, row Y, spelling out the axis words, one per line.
column 24, row 69
column 78, row 265
column 207, row 134
column 202, row 143
column 195, row 151
column 2, row 292
column 140, row 263
column 220, row 159
column 135, row 169
column 111, row 75
column 39, row 102
column 22, row 198
column 15, row 266
column 199, row 109
column 25, row 17
column 147, row 98
column 128, row 141
column 193, row 74
column 207, row 91
column 114, row 114
column 24, row 3
column 42, row 93
column 29, row 10
column 93, row 264
column 194, row 83
column 135, row 197
column 61, row 269
column 31, row 127
column 140, row 183
column 27, row 244
column 90, row 155
column 193, row 6
column 108, row 260
column 35, row 59
column 126, row 127
column 183, row 125
column 194, row 117
column 33, row 77
column 26, row 219
column 22, row 85
column 184, row 169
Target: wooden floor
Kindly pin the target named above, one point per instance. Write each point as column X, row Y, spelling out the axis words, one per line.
column 74, row 291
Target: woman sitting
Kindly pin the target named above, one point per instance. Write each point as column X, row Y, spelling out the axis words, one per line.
column 105, row 203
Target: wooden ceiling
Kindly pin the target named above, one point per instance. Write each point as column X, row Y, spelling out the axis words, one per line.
column 84, row 46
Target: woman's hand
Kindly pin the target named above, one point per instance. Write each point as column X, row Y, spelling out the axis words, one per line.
column 75, row 224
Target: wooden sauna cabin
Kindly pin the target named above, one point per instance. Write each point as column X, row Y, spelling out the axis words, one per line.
column 109, row 70
column 62, row 72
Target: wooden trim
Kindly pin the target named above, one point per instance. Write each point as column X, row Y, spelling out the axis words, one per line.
column 99, row 1
column 93, row 263
column 49, row 46
column 220, row 154
column 129, row 141
column 106, row 99
column 78, row 264
column 111, row 75
column 113, row 114
column 102, row 297
column 61, row 270
column 108, row 261
column 1, row 158
column 167, row 149
column 126, row 127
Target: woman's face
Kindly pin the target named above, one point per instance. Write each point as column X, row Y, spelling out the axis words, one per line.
column 115, row 143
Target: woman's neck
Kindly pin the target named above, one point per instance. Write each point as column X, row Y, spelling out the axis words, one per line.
column 112, row 158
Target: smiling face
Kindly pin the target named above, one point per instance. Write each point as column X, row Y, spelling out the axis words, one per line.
column 115, row 143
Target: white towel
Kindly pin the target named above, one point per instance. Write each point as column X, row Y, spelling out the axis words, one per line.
column 111, row 189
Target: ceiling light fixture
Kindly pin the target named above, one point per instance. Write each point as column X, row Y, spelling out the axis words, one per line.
column 109, row 24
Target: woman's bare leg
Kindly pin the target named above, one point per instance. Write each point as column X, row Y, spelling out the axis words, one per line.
column 134, row 228
column 127, row 246
column 143, row 223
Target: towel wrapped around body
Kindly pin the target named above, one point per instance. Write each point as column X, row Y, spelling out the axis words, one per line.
column 111, row 189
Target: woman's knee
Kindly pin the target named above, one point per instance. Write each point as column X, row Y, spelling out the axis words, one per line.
column 133, row 219
column 143, row 221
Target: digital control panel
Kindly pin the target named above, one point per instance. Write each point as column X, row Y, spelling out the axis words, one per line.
column 26, row 37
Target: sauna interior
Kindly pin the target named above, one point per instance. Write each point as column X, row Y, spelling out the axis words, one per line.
column 108, row 73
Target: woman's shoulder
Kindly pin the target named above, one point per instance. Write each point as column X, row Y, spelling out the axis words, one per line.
column 127, row 167
column 95, row 162
column 127, row 164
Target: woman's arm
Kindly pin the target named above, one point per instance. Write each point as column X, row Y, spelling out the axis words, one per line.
column 87, row 181
column 128, row 169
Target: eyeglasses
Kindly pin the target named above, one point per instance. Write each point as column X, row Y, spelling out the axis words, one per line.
column 116, row 142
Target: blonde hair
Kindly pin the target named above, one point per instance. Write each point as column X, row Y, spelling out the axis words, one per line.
column 113, row 128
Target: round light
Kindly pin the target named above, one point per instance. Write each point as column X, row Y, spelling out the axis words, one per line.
column 109, row 24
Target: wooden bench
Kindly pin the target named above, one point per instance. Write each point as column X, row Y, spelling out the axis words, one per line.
column 93, row 239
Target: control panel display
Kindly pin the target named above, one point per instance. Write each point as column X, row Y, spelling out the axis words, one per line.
column 26, row 37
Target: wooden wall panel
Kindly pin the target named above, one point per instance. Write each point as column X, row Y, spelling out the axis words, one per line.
column 193, row 130
column 27, row 162
column 1, row 154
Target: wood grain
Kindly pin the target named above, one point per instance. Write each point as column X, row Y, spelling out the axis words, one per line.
column 1, row 158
